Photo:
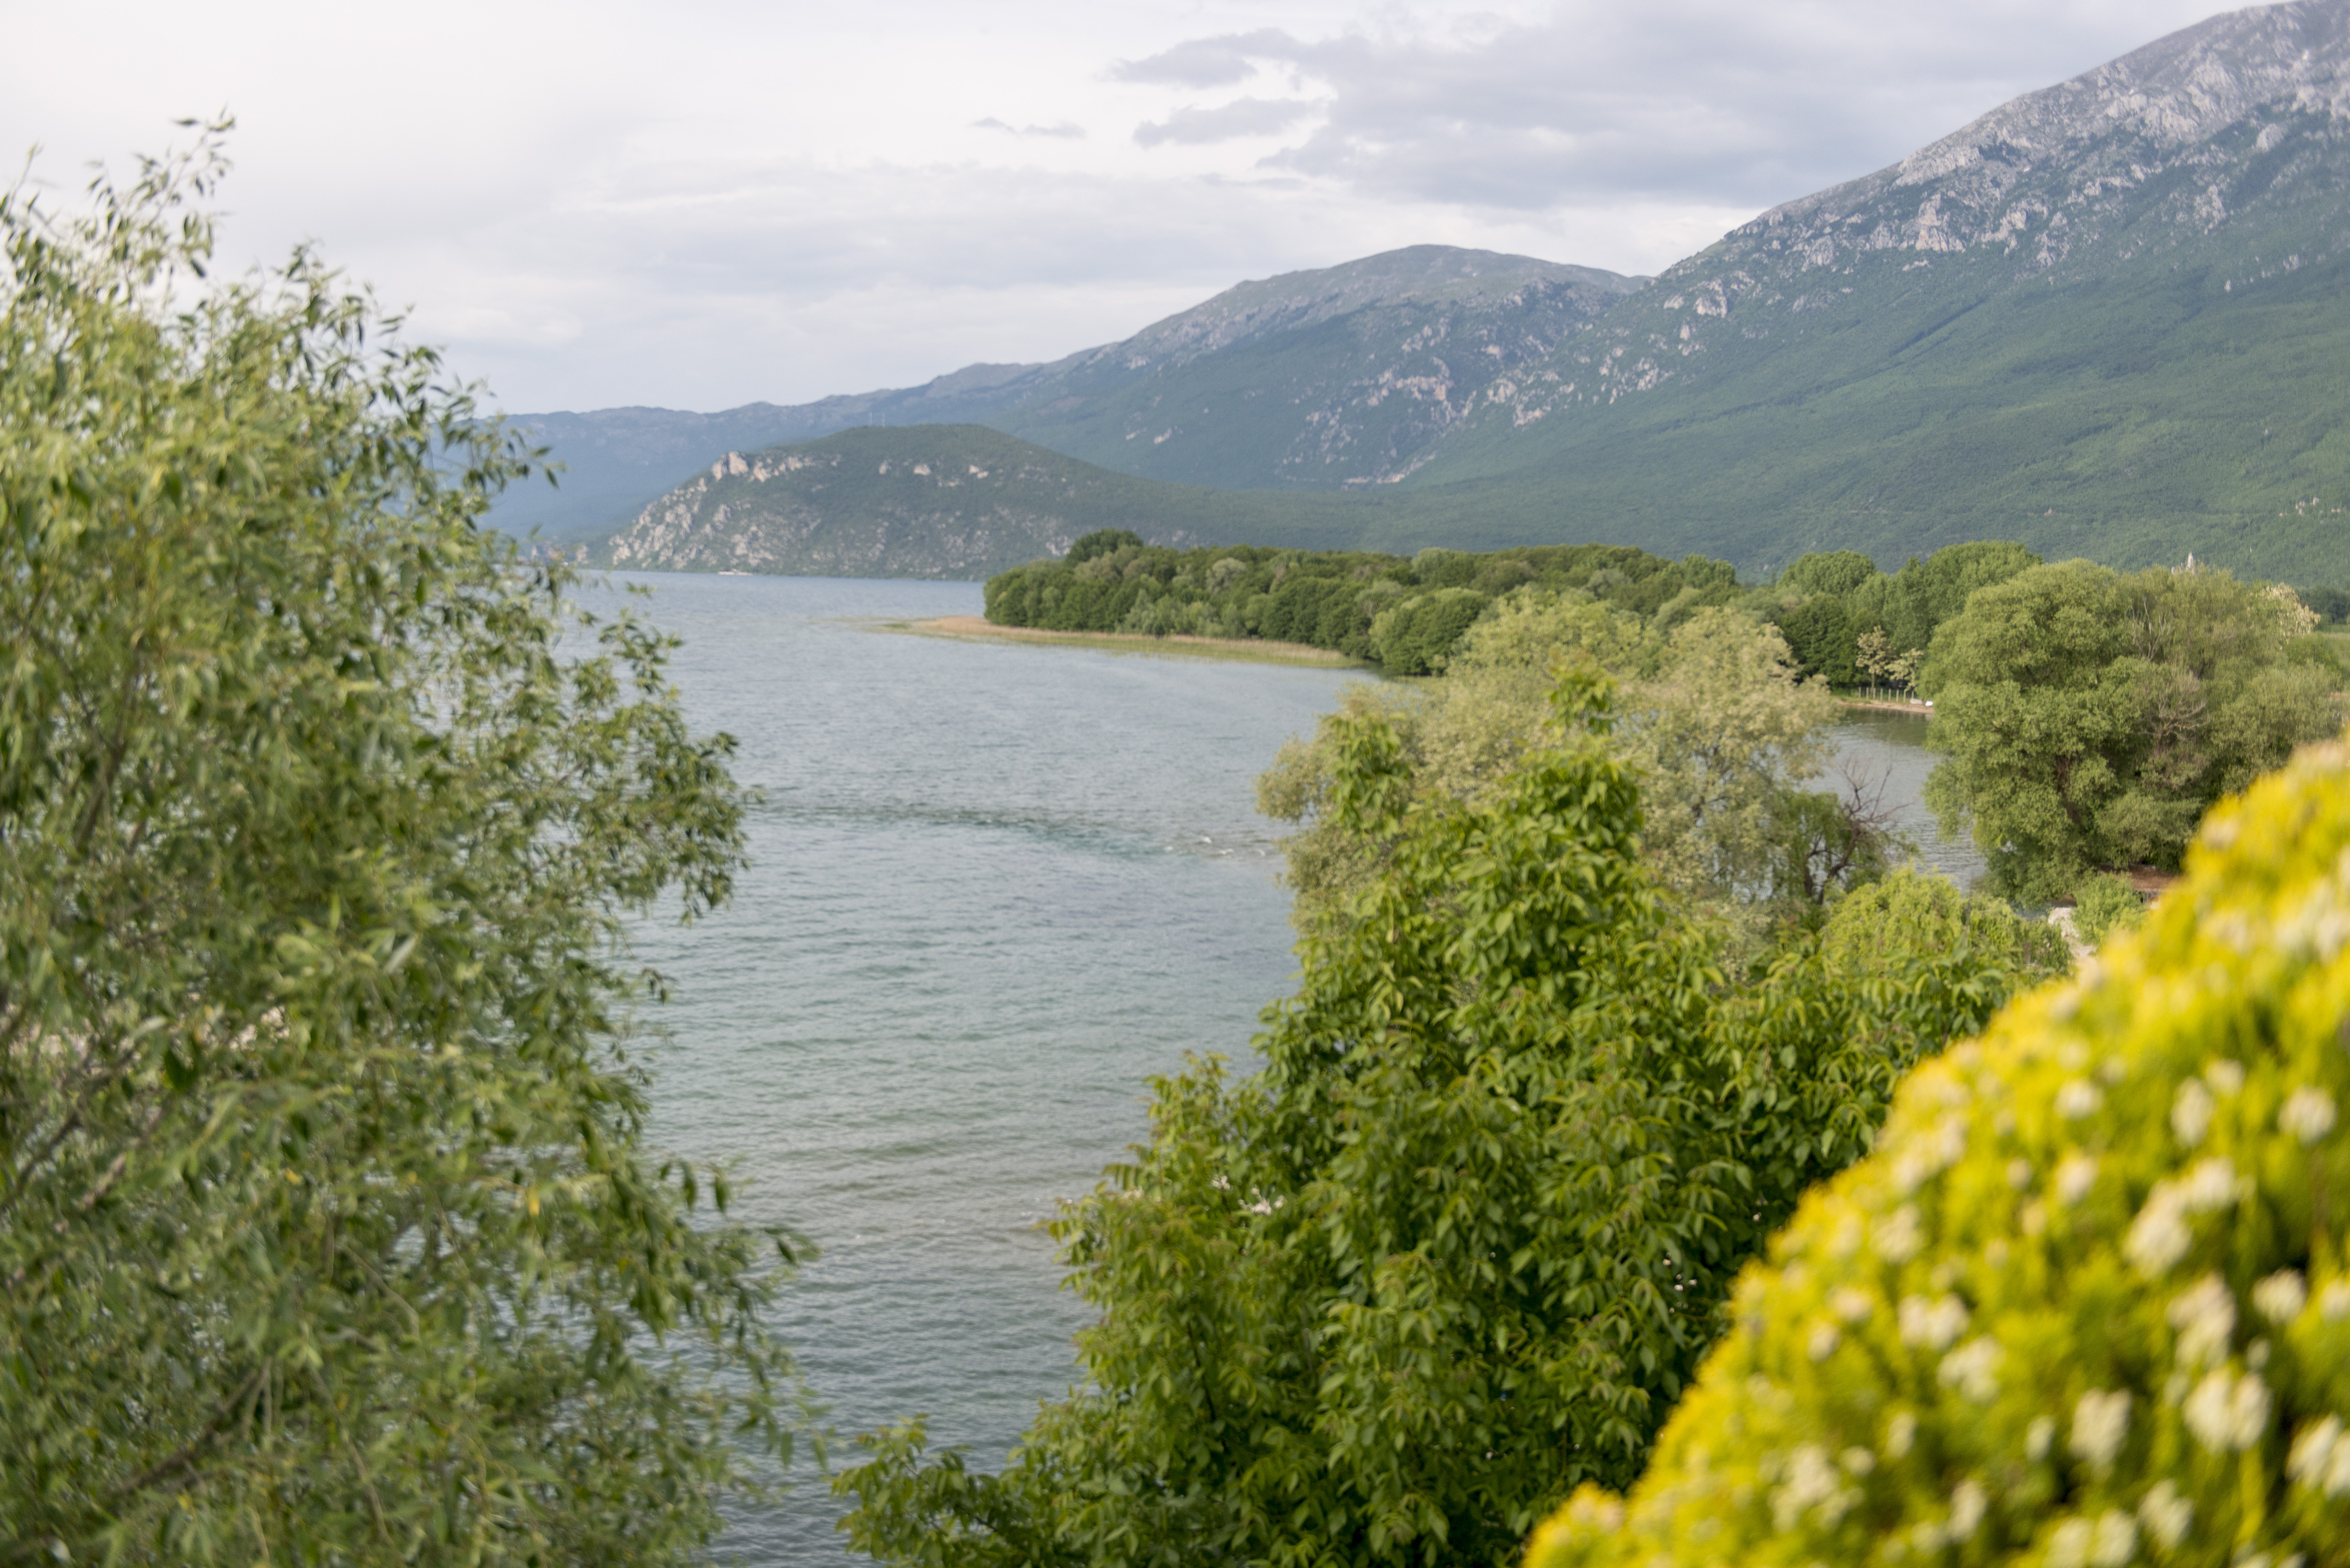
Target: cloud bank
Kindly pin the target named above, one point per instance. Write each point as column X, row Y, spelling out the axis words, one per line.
column 718, row 201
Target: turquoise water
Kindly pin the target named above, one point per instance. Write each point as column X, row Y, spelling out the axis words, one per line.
column 994, row 889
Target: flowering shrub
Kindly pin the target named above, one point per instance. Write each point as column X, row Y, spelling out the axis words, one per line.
column 2086, row 1304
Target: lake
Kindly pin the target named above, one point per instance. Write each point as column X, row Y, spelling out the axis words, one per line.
column 994, row 889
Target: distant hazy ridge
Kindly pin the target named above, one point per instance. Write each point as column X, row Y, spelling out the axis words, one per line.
column 2108, row 318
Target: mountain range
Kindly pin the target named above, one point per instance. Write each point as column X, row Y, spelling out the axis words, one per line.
column 2106, row 319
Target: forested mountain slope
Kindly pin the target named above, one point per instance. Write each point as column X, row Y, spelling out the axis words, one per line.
column 2108, row 318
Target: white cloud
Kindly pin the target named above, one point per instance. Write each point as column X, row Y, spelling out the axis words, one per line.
column 1226, row 122
column 1065, row 128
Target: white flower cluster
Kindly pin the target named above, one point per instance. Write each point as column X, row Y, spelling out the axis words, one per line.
column 2307, row 1114
column 1929, row 1153
column 1974, row 1369
column 2111, row 1541
column 2077, row 1098
column 2227, row 1413
column 2160, row 1235
column 2281, row 1297
column 1898, row 1237
column 2075, row 1174
column 1968, row 1503
column 2191, row 1112
column 2100, row 1426
column 2205, row 1317
column 2321, row 1457
column 1814, row 1484
column 1932, row 1325
column 2166, row 1515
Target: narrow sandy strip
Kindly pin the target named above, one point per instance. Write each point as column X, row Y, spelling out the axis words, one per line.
column 1915, row 710
column 975, row 628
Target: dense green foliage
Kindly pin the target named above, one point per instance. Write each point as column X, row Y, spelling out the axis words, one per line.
column 2088, row 1301
column 2105, row 904
column 2088, row 719
column 327, row 1229
column 1724, row 738
column 1405, row 616
column 1872, row 930
column 1455, row 1249
column 1856, row 625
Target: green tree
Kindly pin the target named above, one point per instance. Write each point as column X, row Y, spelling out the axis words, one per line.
column 2105, row 904
column 2087, row 1302
column 1457, row 1246
column 1873, row 656
column 1911, row 603
column 1709, row 715
column 1835, row 572
column 2088, row 719
column 327, row 1224
column 1870, row 931
column 1821, row 637
column 1101, row 542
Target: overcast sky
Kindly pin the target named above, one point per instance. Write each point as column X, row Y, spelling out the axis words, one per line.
column 703, row 203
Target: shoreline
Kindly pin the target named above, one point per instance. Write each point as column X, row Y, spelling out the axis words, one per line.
column 977, row 629
column 1886, row 705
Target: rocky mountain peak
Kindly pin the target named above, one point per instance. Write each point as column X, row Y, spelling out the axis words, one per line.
column 1416, row 275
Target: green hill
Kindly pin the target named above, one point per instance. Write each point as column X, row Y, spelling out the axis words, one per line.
column 935, row 501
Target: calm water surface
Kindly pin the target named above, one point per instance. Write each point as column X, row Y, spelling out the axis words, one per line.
column 994, row 889
column 1886, row 751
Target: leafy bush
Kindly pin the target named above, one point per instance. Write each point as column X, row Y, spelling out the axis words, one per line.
column 2089, row 718
column 1875, row 925
column 2088, row 1300
column 2105, row 904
